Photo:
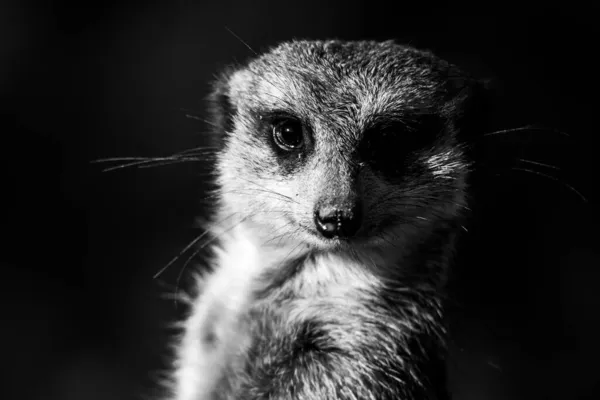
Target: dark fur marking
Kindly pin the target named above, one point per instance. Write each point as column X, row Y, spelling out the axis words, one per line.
column 390, row 146
column 311, row 341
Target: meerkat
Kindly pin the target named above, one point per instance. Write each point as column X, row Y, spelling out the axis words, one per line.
column 342, row 176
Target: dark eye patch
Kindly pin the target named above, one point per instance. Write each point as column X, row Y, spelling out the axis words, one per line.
column 390, row 145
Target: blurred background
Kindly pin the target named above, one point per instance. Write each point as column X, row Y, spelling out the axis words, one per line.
column 82, row 316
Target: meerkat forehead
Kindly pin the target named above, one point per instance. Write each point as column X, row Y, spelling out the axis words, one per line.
column 357, row 79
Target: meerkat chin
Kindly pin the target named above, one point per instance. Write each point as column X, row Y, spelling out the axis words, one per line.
column 342, row 175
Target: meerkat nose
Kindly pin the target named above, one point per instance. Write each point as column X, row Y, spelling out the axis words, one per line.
column 333, row 222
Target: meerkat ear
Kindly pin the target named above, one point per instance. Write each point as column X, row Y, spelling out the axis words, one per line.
column 221, row 109
column 472, row 109
column 482, row 104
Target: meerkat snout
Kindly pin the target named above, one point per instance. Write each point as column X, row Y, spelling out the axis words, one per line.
column 338, row 220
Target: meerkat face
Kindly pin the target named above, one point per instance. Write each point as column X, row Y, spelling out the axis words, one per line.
column 330, row 143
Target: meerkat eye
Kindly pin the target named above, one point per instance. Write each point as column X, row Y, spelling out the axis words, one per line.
column 288, row 134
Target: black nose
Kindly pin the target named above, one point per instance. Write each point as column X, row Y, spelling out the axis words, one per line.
column 337, row 222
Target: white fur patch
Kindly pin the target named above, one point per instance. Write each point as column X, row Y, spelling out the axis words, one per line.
column 330, row 281
column 225, row 297
column 327, row 280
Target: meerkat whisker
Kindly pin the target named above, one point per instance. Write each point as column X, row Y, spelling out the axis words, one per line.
column 144, row 162
column 268, row 190
column 174, row 259
column 526, row 128
column 172, row 162
column 190, row 245
column 550, row 177
column 539, row 163
column 200, row 119
column 200, row 150
column 241, row 41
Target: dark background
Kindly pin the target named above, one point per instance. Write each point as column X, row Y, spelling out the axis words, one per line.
column 82, row 316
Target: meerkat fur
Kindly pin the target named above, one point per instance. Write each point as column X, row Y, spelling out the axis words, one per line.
column 289, row 311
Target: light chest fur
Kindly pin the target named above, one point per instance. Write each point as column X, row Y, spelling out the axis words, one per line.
column 238, row 326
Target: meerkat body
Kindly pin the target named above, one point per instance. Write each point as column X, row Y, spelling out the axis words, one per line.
column 342, row 180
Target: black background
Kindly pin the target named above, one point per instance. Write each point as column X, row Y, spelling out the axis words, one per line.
column 82, row 316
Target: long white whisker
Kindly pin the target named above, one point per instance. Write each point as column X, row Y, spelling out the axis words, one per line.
column 142, row 161
column 554, row 179
column 538, row 163
column 242, row 41
column 189, row 246
column 269, row 190
column 201, row 119
column 525, row 129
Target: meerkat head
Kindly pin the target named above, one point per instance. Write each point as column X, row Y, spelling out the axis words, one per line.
column 335, row 143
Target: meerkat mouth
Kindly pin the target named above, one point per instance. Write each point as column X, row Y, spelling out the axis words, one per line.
column 362, row 239
column 327, row 241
